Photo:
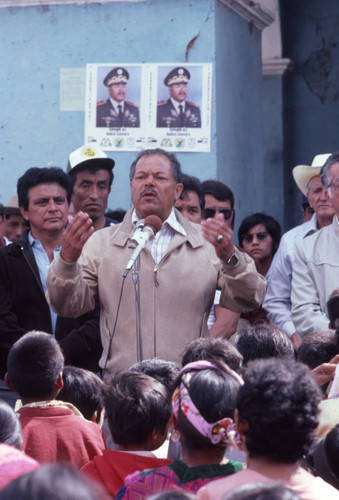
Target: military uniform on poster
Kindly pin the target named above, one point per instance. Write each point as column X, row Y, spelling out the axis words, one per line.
column 167, row 116
column 123, row 113
column 108, row 117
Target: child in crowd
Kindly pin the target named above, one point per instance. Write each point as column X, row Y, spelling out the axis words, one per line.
column 53, row 482
column 209, row 348
column 317, row 348
column 263, row 340
column 13, row 462
column 53, row 430
column 84, row 389
column 163, row 371
column 203, row 404
column 138, row 411
column 333, row 309
column 277, row 414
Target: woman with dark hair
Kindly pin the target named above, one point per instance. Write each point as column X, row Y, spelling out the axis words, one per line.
column 203, row 405
column 259, row 235
column 277, row 415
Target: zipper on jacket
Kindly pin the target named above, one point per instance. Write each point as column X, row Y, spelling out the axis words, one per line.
column 155, row 274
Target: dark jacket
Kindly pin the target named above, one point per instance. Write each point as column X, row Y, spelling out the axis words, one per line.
column 23, row 307
column 168, row 117
column 107, row 117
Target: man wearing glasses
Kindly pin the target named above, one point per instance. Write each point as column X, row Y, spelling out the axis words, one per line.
column 219, row 198
column 316, row 262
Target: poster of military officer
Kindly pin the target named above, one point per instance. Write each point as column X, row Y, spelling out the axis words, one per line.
column 177, row 111
column 116, row 111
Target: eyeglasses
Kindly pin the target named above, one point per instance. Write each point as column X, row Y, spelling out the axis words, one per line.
column 210, row 212
column 260, row 236
column 335, row 185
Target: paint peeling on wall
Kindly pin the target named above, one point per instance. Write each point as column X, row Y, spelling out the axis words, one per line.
column 321, row 72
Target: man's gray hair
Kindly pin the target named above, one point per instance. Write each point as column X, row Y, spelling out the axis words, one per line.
column 325, row 170
column 175, row 165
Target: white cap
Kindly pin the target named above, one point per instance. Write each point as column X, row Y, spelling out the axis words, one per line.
column 78, row 159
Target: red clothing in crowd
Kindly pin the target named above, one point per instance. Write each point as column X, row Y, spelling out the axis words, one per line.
column 56, row 433
column 111, row 468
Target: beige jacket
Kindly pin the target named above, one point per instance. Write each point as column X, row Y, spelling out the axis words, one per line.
column 176, row 295
column 315, row 276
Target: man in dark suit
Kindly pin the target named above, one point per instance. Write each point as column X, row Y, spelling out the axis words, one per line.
column 115, row 111
column 44, row 195
column 177, row 112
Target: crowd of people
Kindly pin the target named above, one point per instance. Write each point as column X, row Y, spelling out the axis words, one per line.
column 146, row 354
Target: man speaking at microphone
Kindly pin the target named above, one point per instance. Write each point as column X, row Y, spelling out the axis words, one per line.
column 180, row 269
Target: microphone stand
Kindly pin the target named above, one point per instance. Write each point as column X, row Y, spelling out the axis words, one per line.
column 135, row 277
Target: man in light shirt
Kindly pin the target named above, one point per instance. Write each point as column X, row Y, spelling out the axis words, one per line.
column 179, row 271
column 277, row 301
column 316, row 263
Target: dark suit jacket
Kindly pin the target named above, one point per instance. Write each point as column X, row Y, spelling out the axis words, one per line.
column 23, row 307
column 107, row 116
column 167, row 115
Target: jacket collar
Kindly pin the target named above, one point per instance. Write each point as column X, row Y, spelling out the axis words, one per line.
column 193, row 232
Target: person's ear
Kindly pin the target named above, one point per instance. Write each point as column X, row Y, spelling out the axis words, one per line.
column 8, row 382
column 178, row 190
column 174, row 422
column 242, row 425
column 58, row 385
column 24, row 213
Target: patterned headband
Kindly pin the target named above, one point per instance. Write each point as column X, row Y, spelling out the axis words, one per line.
column 222, row 431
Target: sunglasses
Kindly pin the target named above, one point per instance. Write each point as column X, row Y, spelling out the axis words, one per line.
column 210, row 212
column 260, row 236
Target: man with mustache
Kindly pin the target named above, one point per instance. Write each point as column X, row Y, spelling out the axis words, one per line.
column 177, row 111
column 116, row 111
column 180, row 269
column 44, row 195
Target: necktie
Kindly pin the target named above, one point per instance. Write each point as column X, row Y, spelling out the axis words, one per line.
column 120, row 115
column 181, row 115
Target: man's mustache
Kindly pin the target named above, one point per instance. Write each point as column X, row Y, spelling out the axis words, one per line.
column 149, row 191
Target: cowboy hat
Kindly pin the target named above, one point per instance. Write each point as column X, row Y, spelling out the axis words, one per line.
column 303, row 173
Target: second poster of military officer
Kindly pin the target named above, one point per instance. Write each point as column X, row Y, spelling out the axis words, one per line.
column 116, row 111
column 177, row 111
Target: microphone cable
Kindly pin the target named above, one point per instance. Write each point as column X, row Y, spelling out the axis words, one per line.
column 114, row 328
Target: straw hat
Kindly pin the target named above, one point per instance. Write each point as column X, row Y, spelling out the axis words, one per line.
column 303, row 173
column 12, row 206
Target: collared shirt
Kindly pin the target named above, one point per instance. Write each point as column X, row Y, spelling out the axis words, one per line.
column 176, row 104
column 43, row 263
column 115, row 105
column 159, row 244
column 277, row 301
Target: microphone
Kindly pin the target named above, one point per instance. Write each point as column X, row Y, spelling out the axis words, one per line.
column 152, row 225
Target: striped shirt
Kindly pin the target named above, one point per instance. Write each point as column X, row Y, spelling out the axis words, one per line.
column 159, row 244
